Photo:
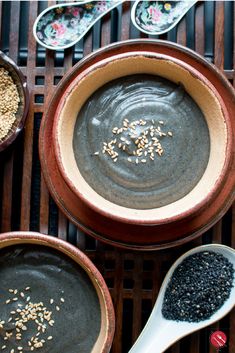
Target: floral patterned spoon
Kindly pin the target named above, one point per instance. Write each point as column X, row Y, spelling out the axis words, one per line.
column 63, row 25
column 158, row 17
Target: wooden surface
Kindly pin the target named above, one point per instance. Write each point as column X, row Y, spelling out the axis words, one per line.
column 133, row 278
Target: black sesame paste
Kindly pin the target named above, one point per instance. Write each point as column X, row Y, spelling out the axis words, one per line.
column 43, row 283
column 169, row 171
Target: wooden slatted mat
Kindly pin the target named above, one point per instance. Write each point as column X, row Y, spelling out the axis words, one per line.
column 133, row 278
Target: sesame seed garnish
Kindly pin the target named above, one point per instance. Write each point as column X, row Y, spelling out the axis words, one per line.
column 29, row 311
column 49, row 338
column 133, row 140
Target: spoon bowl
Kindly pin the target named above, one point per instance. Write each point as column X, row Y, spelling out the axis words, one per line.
column 160, row 333
column 62, row 26
column 154, row 17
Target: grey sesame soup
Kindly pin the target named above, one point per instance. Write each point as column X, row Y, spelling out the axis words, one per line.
column 141, row 141
column 47, row 302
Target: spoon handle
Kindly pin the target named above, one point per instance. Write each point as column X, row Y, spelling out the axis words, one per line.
column 156, row 337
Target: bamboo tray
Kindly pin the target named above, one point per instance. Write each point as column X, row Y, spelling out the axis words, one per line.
column 133, row 278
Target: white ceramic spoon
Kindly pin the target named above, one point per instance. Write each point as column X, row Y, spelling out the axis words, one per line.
column 150, row 19
column 159, row 333
column 62, row 25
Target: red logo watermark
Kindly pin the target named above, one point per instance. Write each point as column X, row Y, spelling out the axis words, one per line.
column 218, row 339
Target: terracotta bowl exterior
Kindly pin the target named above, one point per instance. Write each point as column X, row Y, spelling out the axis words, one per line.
column 20, row 81
column 105, row 338
column 145, row 229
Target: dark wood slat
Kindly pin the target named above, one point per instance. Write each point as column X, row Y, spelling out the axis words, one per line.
column 28, row 138
column 118, row 303
column 7, row 203
column 219, row 34
column 138, row 280
column 62, row 226
column 181, row 32
column 199, row 29
column 125, row 20
column 7, row 194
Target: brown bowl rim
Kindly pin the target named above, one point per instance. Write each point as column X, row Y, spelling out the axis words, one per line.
column 26, row 237
column 171, row 219
column 11, row 138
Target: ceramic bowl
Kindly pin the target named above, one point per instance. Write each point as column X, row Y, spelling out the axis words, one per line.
column 172, row 223
column 84, row 283
column 20, row 82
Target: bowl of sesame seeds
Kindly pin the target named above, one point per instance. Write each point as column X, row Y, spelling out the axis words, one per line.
column 141, row 145
column 52, row 297
column 14, row 101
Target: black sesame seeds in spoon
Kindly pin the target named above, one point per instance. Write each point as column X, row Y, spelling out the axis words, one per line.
column 198, row 288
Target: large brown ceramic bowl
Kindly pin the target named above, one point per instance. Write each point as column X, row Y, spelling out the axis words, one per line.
column 52, row 268
column 174, row 222
column 21, row 114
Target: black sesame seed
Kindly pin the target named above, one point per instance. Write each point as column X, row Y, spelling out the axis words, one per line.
column 198, row 287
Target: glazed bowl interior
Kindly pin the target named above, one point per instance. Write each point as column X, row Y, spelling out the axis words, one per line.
column 197, row 86
column 20, row 82
column 47, row 243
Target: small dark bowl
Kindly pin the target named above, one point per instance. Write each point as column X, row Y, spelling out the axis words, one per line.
column 20, row 82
